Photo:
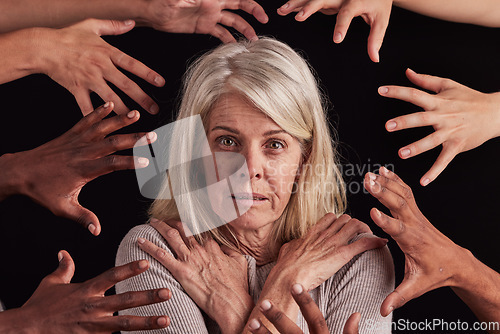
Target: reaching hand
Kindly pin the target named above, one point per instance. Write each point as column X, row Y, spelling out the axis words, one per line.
column 78, row 59
column 54, row 174
column 311, row 312
column 58, row 306
column 376, row 13
column 431, row 259
column 462, row 118
column 205, row 17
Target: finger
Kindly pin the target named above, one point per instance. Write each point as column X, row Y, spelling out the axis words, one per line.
column 159, row 254
column 344, row 18
column 445, row 157
column 408, row 94
column 385, row 172
column 394, row 227
column 398, row 205
column 291, row 6
column 311, row 312
column 117, row 143
column 362, row 245
column 104, row 127
column 113, row 27
column 83, row 99
column 136, row 67
column 429, row 82
column 326, row 222
column 352, row 324
column 279, row 319
column 107, row 94
column 406, row 291
column 251, row 7
column 132, row 299
column 414, row 120
column 351, row 229
column 129, row 323
column 95, row 116
column 235, row 21
column 376, row 37
column 175, row 241
column 309, row 8
column 184, row 231
column 257, row 327
column 109, row 278
column 122, row 82
column 223, row 34
column 395, row 186
column 423, row 145
column 64, row 272
column 112, row 163
column 81, row 215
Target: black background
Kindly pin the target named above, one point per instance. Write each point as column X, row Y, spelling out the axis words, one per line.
column 462, row 202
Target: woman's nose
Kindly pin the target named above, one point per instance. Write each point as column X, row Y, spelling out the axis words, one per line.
column 255, row 162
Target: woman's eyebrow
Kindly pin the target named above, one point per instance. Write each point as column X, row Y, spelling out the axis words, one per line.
column 273, row 132
column 226, row 129
column 266, row 134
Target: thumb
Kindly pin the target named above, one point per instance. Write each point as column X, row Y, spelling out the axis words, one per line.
column 84, row 217
column 112, row 27
column 352, row 324
column 406, row 291
column 64, row 273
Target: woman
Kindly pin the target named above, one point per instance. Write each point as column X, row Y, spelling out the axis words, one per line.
column 260, row 100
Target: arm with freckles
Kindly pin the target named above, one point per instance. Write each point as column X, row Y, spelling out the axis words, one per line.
column 480, row 12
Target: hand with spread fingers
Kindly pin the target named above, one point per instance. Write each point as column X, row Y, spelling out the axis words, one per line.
column 54, row 174
column 205, row 17
column 315, row 320
column 432, row 260
column 78, row 59
column 59, row 306
column 462, row 118
column 214, row 277
column 375, row 13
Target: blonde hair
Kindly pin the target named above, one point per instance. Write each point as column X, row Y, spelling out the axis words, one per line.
column 280, row 83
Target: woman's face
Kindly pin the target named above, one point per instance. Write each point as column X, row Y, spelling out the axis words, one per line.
column 273, row 158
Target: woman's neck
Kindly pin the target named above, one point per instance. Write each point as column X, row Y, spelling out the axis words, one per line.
column 256, row 243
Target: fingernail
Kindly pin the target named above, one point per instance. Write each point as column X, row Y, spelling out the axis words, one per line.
column 337, row 37
column 377, row 213
column 140, row 241
column 91, row 228
column 106, row 105
column 301, row 13
column 154, row 109
column 60, row 256
column 151, row 135
column 265, row 305
column 159, row 80
column 405, row 152
column 384, row 170
column 425, row 182
column 372, row 183
column 164, row 294
column 143, row 264
column 154, row 220
column 372, row 176
column 391, row 308
column 391, row 125
column 128, row 22
column 285, row 6
column 410, row 70
column 142, row 162
column 254, row 324
column 383, row 90
column 297, row 289
column 377, row 58
column 162, row 321
column 131, row 114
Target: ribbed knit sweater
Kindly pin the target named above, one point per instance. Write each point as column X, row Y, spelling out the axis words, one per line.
column 360, row 286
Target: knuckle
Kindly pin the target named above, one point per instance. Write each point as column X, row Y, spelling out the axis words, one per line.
column 277, row 317
column 113, row 142
column 402, row 204
column 88, row 308
column 127, row 299
column 407, row 193
column 124, row 323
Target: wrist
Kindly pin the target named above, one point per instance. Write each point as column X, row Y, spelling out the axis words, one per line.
column 233, row 318
column 496, row 116
column 11, row 178
column 14, row 321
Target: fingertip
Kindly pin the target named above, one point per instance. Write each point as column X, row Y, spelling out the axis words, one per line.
column 154, row 109
column 297, row 289
column 391, row 125
column 265, row 305
column 159, row 81
column 382, row 90
column 60, row 256
column 143, row 264
column 425, row 181
column 254, row 324
column 337, row 37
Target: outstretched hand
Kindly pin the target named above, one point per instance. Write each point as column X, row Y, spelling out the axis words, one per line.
column 432, row 260
column 58, row 306
column 205, row 17
column 54, row 174
column 78, row 59
column 462, row 118
column 376, row 13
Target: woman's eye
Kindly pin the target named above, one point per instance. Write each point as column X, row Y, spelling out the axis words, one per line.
column 227, row 142
column 276, row 145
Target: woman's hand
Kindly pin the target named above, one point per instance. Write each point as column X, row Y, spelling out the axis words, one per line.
column 216, row 279
column 315, row 320
column 204, row 17
column 376, row 13
column 326, row 248
column 54, row 174
column 462, row 118
column 431, row 259
column 58, row 306
column 78, row 59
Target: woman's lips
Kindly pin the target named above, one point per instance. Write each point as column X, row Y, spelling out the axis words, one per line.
column 249, row 196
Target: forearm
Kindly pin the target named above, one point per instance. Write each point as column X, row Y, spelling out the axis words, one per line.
column 479, row 287
column 19, row 14
column 14, row 322
column 10, row 178
column 480, row 12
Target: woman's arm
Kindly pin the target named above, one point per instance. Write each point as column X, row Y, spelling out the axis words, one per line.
column 481, row 12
